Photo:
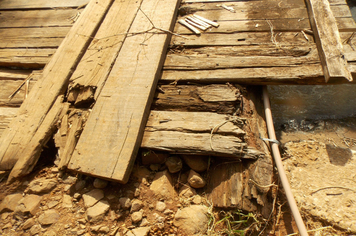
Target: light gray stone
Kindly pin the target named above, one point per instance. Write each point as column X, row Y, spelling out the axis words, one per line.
column 100, row 183
column 28, row 223
column 28, row 204
column 93, row 197
column 97, row 212
column 192, row 220
column 137, row 216
column 160, row 206
column 195, row 180
column 67, row 201
column 41, row 185
column 141, row 231
column 136, row 205
column 162, row 185
column 196, row 163
column 49, row 217
column 174, row 164
column 125, row 202
column 10, row 202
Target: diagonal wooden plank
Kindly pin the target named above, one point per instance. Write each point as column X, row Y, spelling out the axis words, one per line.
column 54, row 80
column 328, row 40
column 113, row 133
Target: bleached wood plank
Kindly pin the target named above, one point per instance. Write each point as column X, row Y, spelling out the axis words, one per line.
column 7, row 88
column 126, row 98
column 37, row 18
column 246, row 5
column 94, row 68
column 40, row 4
column 29, row 58
column 328, row 40
column 8, row 74
column 46, row 32
column 55, row 77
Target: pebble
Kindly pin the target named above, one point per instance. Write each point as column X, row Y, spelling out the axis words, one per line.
column 67, row 201
column 52, row 204
column 137, row 216
column 92, row 197
column 80, row 185
column 160, row 206
column 174, row 164
column 77, row 196
column 155, row 167
column 42, row 185
column 125, row 202
column 162, row 185
column 97, row 212
column 48, row 217
column 144, row 222
column 196, row 163
column 187, row 191
column 35, row 229
column 10, row 202
column 28, row 223
column 136, row 205
column 100, row 183
column 195, row 180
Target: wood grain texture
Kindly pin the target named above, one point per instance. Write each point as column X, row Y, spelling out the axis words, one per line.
column 115, row 127
column 328, row 40
column 26, row 58
column 55, row 78
column 9, row 74
column 40, row 4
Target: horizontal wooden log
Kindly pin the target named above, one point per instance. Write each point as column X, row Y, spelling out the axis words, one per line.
column 220, row 98
column 282, row 38
column 29, row 58
column 39, row 4
column 214, row 60
column 37, row 18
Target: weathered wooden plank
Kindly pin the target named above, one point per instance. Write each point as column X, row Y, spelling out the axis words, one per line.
column 304, row 74
column 300, row 2
column 94, row 68
column 29, row 58
column 40, row 4
column 31, row 43
column 31, row 151
column 282, row 38
column 8, row 74
column 55, row 77
column 37, row 18
column 126, row 98
column 46, row 32
column 220, row 98
column 214, row 60
column 328, row 40
column 337, row 2
column 7, row 88
column 346, row 24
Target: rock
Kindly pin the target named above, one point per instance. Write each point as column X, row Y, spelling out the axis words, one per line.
column 187, row 191
column 10, row 202
column 192, row 220
column 48, row 217
column 7, row 226
column 28, row 204
column 104, row 229
column 195, row 180
column 67, row 201
column 136, row 205
column 152, row 157
column 100, row 183
column 80, row 185
column 140, row 172
column 184, row 177
column 80, row 232
column 41, row 185
column 196, row 163
column 77, row 196
column 174, row 164
column 137, row 216
column 28, row 223
column 125, row 202
column 93, row 197
column 50, row 233
column 36, row 229
column 162, row 185
column 144, row 222
column 197, row 200
column 155, row 167
column 160, row 206
column 70, row 179
column 137, row 192
column 52, row 204
column 97, row 212
column 130, row 194
column 141, row 231
column 129, row 233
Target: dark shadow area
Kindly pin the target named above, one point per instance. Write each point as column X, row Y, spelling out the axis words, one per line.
column 352, row 6
column 337, row 155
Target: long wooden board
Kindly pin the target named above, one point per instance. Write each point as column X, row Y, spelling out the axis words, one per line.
column 40, row 4
column 55, row 78
column 115, row 127
column 328, row 40
column 29, row 58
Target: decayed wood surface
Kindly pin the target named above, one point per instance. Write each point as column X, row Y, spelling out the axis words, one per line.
column 56, row 74
column 239, row 185
column 40, row 4
column 220, row 98
column 118, row 118
column 328, row 40
column 95, row 66
column 30, row 152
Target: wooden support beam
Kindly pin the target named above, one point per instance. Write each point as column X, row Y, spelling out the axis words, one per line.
column 328, row 40
column 53, row 83
column 109, row 143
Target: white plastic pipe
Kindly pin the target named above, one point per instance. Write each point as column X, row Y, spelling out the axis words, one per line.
column 277, row 158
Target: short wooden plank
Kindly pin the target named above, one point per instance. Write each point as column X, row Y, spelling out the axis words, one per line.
column 37, row 18
column 29, row 58
column 303, row 74
column 213, row 60
column 8, row 74
column 250, row 38
column 94, row 68
column 219, row 98
column 328, row 40
column 32, row 150
column 115, row 127
column 40, row 4
column 346, row 24
column 55, row 77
